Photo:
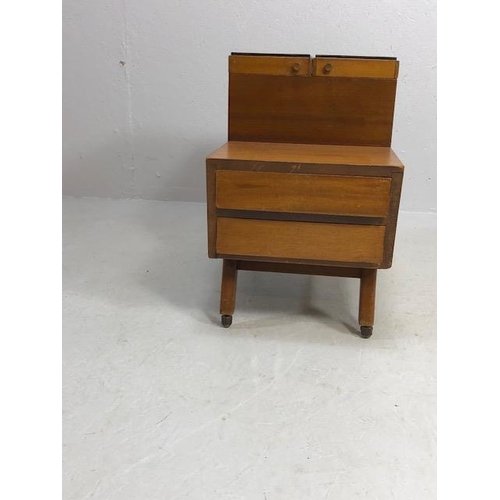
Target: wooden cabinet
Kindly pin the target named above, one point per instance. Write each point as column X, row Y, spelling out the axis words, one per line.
column 307, row 182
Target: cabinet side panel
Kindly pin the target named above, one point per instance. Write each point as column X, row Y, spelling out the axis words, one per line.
column 392, row 219
column 211, row 210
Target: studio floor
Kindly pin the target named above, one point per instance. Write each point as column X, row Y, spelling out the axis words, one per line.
column 160, row 402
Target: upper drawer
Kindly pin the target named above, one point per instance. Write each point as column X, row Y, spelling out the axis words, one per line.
column 303, row 193
column 354, row 67
column 270, row 65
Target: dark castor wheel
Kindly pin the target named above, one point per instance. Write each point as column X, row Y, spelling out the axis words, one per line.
column 366, row 332
column 226, row 320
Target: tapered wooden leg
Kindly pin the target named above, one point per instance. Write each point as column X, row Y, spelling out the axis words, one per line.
column 367, row 301
column 228, row 291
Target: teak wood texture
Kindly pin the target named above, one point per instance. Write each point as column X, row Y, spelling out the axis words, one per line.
column 355, row 67
column 300, row 241
column 271, row 65
column 305, row 193
column 311, row 109
column 307, row 182
column 346, row 172
column 262, row 153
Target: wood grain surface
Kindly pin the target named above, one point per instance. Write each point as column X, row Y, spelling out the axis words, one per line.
column 303, row 193
column 300, row 240
column 367, row 290
column 228, row 287
column 278, row 267
column 311, row 110
column 352, row 67
column 324, row 154
column 270, row 65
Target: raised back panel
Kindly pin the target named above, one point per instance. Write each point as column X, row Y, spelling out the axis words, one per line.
column 308, row 108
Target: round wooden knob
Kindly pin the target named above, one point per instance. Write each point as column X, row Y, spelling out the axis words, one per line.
column 327, row 68
column 296, row 67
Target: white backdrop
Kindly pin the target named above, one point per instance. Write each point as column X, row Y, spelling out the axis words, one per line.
column 145, row 84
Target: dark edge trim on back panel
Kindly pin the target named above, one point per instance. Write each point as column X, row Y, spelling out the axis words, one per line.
column 264, row 54
column 388, row 58
column 359, row 57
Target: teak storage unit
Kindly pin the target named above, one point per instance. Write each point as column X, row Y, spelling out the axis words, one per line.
column 308, row 182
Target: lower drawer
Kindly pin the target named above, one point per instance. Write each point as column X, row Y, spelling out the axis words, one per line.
column 300, row 240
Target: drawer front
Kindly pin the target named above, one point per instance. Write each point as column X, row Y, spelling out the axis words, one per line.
column 303, row 193
column 300, row 240
column 359, row 68
column 270, row 65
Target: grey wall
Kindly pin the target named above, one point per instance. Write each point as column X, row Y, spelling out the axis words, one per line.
column 145, row 84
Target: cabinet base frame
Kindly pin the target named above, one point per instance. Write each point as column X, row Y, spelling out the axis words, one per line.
column 367, row 277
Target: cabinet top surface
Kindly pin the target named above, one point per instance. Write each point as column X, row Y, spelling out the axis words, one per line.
column 307, row 153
